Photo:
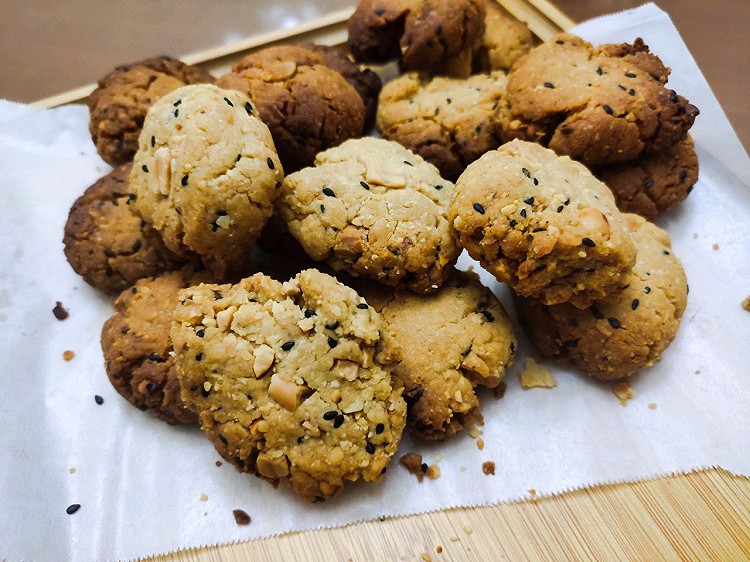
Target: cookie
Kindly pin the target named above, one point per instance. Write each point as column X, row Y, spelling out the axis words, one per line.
column 308, row 106
column 504, row 41
column 654, row 183
column 122, row 98
column 206, row 175
column 138, row 349
column 372, row 208
column 424, row 35
column 596, row 105
column 443, row 345
column 106, row 243
column 617, row 336
column 285, row 380
column 449, row 122
column 542, row 224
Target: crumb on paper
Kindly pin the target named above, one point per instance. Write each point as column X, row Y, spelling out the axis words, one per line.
column 652, row 406
column 532, row 492
column 488, row 467
column 697, row 371
column 72, row 470
column 535, row 375
column 68, row 355
column 218, row 463
column 454, row 539
column 623, row 391
column 480, row 444
column 433, row 472
column 60, row 312
column 241, row 517
column 746, row 303
column 203, row 497
column 715, row 246
column 499, row 390
column 438, row 457
column 439, row 549
column 695, row 235
column 474, row 432
column 426, row 557
column 468, row 530
column 413, row 463
column 462, row 469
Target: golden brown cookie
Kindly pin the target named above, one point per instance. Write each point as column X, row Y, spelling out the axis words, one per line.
column 653, row 183
column 122, row 98
column 449, row 122
column 285, row 380
column 372, row 208
column 106, row 243
column 542, row 224
column 206, row 174
column 138, row 350
column 617, row 336
column 504, row 41
column 443, row 345
column 596, row 105
column 307, row 105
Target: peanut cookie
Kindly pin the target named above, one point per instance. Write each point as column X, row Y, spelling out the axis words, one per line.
column 106, row 243
column 597, row 105
column 654, row 183
column 505, row 39
column 122, row 98
column 542, row 224
column 372, row 208
column 285, row 382
column 308, row 106
column 617, row 336
column 443, row 345
column 426, row 35
column 138, row 350
column 449, row 122
column 206, row 174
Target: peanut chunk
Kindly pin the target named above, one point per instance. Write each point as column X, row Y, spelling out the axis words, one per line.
column 271, row 467
column 286, row 393
column 264, row 357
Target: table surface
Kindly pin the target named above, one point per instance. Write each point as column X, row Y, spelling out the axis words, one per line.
column 48, row 48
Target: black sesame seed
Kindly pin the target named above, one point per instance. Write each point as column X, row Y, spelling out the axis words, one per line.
column 379, row 11
column 363, row 306
column 488, row 316
column 98, row 399
column 332, row 325
column 229, row 103
column 144, row 168
column 512, row 348
column 286, row 346
column 136, row 245
column 364, row 184
column 109, row 252
column 151, row 388
column 370, row 448
column 568, row 344
column 529, row 200
column 424, row 466
column 649, row 183
column 408, row 163
column 330, row 414
column 417, row 395
column 599, row 70
column 630, row 74
column 623, row 88
column 437, row 111
column 631, row 91
column 607, row 109
column 665, row 252
column 588, row 242
column 300, row 439
column 614, row 322
column 223, row 439
column 248, row 108
column 199, row 356
column 526, row 172
column 512, row 223
column 270, row 163
column 184, row 180
column 156, row 358
column 539, row 229
column 329, row 192
column 672, row 96
column 332, row 342
column 176, row 112
column 560, row 42
column 338, row 420
column 536, row 181
column 683, row 175
column 634, row 304
column 309, row 313
column 380, row 428
column 153, row 141
column 200, row 333
column 560, row 209
column 549, row 85
column 478, row 208
column 178, row 102
column 205, row 392
column 108, row 271
column 523, row 213
column 322, row 208
column 72, row 508
column 218, row 295
column 596, row 312
column 438, row 187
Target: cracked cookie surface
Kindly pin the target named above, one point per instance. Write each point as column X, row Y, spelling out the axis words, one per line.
column 542, row 224
column 372, row 208
column 285, row 380
column 595, row 104
column 137, row 347
column 449, row 122
column 106, row 243
column 443, row 345
column 206, row 175
column 122, row 98
column 307, row 105
column 617, row 336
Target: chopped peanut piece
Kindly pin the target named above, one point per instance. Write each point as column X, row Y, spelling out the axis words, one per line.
column 264, row 356
column 286, row 393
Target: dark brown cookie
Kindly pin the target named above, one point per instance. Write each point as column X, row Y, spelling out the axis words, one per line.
column 654, row 183
column 123, row 97
column 597, row 105
column 307, row 106
column 426, row 35
column 106, row 243
column 505, row 40
column 138, row 350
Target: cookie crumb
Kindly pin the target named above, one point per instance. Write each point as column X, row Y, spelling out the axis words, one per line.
column 433, row 472
column 499, row 390
column 474, row 432
column 241, row 517
column 98, row 399
column 203, row 497
column 60, row 312
column 68, row 355
column 715, row 246
column 413, row 463
column 438, row 457
column 535, row 375
column 462, row 469
column 480, row 444
column 454, row 539
column 468, row 530
column 697, row 371
column 532, row 492
column 652, row 406
column 72, row 508
column 746, row 303
column 439, row 549
column 426, row 557
column 72, row 470
column 488, row 467
column 218, row 463
column 623, row 391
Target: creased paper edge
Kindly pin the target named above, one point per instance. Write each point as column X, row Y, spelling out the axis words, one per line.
column 453, row 507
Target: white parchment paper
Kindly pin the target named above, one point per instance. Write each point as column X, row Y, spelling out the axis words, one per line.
column 147, row 488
